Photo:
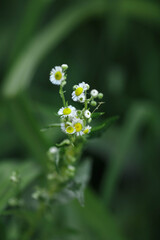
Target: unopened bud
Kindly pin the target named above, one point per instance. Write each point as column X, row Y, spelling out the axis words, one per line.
column 89, row 120
column 93, row 103
column 64, row 67
column 100, row 95
column 63, row 83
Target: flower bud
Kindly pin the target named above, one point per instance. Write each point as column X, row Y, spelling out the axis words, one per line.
column 87, row 114
column 89, row 120
column 93, row 103
column 64, row 67
column 94, row 93
column 63, row 83
column 100, row 95
column 87, row 86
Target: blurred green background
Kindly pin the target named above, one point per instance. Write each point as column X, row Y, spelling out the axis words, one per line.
column 115, row 47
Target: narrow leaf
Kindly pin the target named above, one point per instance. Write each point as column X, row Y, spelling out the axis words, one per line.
column 50, row 126
column 97, row 114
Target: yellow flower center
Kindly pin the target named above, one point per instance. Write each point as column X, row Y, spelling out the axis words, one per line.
column 66, row 111
column 78, row 127
column 58, row 75
column 78, row 91
column 70, row 129
column 86, row 131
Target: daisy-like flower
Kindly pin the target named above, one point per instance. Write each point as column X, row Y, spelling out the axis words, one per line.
column 69, row 111
column 78, row 126
column 70, row 129
column 64, row 125
column 57, row 75
column 87, row 129
column 79, row 91
column 94, row 93
column 81, row 98
column 87, row 114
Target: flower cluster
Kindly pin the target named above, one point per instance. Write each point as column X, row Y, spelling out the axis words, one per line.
column 74, row 121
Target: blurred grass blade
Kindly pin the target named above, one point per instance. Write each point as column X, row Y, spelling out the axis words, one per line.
column 21, row 73
column 28, row 171
column 29, row 22
column 138, row 115
column 95, row 215
column 28, row 129
column 141, row 10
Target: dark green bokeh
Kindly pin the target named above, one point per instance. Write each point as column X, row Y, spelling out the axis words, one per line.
column 113, row 46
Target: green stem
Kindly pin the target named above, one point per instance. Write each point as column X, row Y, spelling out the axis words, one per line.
column 62, row 95
column 86, row 101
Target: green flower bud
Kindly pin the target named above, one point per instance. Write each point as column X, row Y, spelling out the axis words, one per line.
column 63, row 83
column 64, row 67
column 89, row 120
column 93, row 103
column 100, row 95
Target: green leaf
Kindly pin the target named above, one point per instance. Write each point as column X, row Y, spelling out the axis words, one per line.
column 104, row 126
column 63, row 143
column 81, row 179
column 51, row 126
column 97, row 114
column 76, row 187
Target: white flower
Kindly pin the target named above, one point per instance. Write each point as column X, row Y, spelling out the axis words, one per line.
column 69, row 111
column 78, row 126
column 87, row 129
column 87, row 114
column 94, row 93
column 70, row 129
column 81, row 98
column 65, row 125
column 79, row 91
column 57, row 75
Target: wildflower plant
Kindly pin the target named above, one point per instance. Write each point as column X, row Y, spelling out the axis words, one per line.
column 64, row 176
column 76, row 123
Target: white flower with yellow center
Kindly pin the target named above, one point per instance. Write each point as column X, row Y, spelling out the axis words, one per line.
column 69, row 111
column 78, row 126
column 79, row 92
column 87, row 129
column 57, row 75
column 65, row 125
column 70, row 129
column 87, row 114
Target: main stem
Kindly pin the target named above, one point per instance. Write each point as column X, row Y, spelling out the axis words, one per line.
column 86, row 101
column 62, row 95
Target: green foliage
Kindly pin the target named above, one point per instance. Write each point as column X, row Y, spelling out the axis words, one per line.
column 28, row 171
column 114, row 46
column 98, row 130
